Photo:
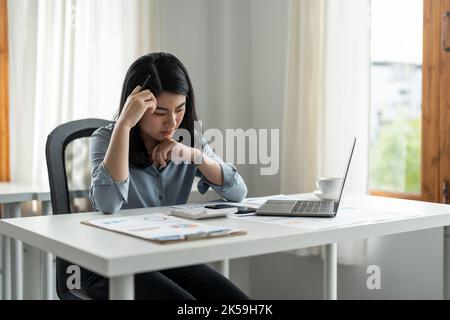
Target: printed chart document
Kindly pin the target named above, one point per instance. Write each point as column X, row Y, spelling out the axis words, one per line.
column 162, row 228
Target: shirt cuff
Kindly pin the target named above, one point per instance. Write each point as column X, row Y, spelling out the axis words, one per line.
column 101, row 177
column 230, row 179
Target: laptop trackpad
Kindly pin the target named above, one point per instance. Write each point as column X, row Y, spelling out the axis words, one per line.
column 277, row 206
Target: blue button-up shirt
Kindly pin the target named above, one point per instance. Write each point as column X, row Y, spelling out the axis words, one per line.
column 150, row 187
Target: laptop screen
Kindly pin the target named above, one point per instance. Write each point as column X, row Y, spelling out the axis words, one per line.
column 345, row 174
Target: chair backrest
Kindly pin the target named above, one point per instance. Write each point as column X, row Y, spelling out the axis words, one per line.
column 55, row 149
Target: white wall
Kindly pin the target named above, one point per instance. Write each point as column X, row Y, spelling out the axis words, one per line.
column 269, row 25
column 235, row 51
column 235, row 55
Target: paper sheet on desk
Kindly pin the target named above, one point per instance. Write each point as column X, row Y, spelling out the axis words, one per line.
column 306, row 223
column 346, row 216
column 375, row 215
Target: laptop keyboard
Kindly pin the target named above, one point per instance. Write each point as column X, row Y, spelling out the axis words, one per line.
column 312, row 206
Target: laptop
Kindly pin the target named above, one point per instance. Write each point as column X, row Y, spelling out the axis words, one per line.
column 306, row 208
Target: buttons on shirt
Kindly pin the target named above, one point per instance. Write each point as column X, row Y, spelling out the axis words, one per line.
column 160, row 187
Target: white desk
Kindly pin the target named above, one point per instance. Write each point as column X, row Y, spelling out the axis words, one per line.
column 43, row 194
column 12, row 194
column 119, row 257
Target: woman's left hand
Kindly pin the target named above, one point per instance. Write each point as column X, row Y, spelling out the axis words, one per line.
column 170, row 149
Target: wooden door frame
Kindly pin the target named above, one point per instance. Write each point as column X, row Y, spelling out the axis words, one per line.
column 444, row 95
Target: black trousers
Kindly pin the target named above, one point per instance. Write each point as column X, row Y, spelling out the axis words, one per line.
column 198, row 282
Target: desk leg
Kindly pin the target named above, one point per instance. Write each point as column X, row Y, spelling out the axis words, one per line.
column 47, row 260
column 330, row 272
column 446, row 268
column 6, row 261
column 32, row 277
column 121, row 288
column 224, row 267
column 16, row 257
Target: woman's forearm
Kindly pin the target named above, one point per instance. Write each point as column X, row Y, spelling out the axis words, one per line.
column 116, row 158
column 210, row 169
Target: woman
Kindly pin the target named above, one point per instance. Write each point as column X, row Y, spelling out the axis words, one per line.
column 132, row 168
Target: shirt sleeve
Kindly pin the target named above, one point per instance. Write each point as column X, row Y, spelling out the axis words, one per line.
column 233, row 188
column 105, row 194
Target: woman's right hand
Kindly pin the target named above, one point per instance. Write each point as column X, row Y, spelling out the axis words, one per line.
column 138, row 102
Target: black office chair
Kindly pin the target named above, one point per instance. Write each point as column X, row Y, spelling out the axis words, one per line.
column 55, row 152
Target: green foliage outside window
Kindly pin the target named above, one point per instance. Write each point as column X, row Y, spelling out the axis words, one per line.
column 395, row 158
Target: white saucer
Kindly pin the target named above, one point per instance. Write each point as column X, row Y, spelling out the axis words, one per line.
column 325, row 196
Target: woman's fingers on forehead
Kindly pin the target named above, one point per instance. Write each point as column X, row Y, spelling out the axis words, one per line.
column 144, row 93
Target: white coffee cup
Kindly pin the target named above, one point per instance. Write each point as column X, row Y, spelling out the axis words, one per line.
column 329, row 185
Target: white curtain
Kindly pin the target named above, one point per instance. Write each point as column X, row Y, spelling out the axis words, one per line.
column 68, row 59
column 327, row 101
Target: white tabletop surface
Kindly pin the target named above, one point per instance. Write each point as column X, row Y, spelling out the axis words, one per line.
column 18, row 192
column 113, row 254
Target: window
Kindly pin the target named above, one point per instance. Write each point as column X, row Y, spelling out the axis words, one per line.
column 396, row 96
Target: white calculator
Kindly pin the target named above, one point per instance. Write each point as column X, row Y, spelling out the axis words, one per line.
column 200, row 212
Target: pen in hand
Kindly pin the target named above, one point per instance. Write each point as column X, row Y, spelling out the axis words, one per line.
column 147, row 80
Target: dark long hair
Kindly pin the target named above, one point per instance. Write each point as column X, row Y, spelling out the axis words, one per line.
column 168, row 74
